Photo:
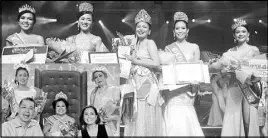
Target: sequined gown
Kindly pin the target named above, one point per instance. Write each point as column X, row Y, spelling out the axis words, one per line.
column 147, row 120
column 105, row 100
column 84, row 45
column 233, row 124
column 180, row 115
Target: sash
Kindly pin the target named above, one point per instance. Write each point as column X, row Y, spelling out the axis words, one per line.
column 52, row 119
column 175, row 49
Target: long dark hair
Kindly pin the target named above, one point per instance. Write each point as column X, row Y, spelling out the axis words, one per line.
column 27, row 11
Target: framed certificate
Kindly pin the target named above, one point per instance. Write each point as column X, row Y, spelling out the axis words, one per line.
column 28, row 54
column 184, row 73
column 103, row 58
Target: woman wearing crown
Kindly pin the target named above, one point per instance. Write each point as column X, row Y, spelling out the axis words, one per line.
column 240, row 117
column 19, row 90
column 26, row 19
column 85, row 40
column 180, row 115
column 60, row 124
column 146, row 119
column 106, row 99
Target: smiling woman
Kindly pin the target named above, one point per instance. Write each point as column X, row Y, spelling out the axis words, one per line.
column 85, row 40
column 26, row 20
column 60, row 124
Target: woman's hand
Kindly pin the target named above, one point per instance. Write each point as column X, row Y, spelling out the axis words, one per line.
column 110, row 118
column 131, row 58
column 55, row 127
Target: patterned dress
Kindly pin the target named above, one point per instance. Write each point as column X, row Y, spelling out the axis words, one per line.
column 147, row 115
column 233, row 124
column 180, row 115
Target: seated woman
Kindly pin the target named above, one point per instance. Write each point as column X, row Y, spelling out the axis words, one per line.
column 106, row 99
column 26, row 19
column 90, row 119
column 60, row 124
column 19, row 90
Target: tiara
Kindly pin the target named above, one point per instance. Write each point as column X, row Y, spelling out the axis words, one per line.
column 143, row 16
column 16, row 66
column 238, row 22
column 180, row 16
column 99, row 68
column 85, row 7
column 26, row 7
column 61, row 95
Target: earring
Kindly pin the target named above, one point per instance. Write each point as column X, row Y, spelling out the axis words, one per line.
column 78, row 26
column 234, row 40
column 186, row 36
column 248, row 39
column 174, row 36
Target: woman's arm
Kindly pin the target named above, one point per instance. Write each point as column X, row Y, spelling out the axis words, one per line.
column 154, row 62
column 41, row 41
column 196, row 53
column 100, row 47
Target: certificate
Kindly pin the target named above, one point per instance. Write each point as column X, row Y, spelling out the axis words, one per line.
column 185, row 73
column 122, row 51
column 125, row 66
column 103, row 58
column 28, row 54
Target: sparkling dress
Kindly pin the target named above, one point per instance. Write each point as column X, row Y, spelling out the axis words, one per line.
column 147, row 120
column 233, row 124
column 179, row 114
column 106, row 99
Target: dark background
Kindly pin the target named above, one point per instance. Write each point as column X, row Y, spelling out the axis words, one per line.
column 215, row 36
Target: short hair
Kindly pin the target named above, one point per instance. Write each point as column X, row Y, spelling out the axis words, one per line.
column 180, row 21
column 27, row 99
column 81, row 118
column 27, row 11
column 54, row 103
column 104, row 73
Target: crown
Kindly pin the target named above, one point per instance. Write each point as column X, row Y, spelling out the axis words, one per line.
column 85, row 7
column 180, row 16
column 238, row 22
column 16, row 66
column 26, row 7
column 61, row 95
column 99, row 68
column 143, row 16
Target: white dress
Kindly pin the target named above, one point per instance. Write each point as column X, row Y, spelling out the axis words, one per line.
column 180, row 115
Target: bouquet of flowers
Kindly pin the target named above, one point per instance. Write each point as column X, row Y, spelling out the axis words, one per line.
column 128, row 40
column 61, row 51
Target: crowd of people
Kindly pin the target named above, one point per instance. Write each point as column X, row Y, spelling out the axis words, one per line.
column 153, row 110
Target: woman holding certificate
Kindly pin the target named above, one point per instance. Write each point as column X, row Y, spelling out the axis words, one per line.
column 180, row 115
column 240, row 117
column 85, row 40
column 146, row 119
column 26, row 20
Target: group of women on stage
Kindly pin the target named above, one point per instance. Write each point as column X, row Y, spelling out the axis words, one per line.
column 155, row 113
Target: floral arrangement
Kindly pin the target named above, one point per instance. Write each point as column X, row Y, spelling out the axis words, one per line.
column 68, row 129
column 123, row 41
column 61, row 51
